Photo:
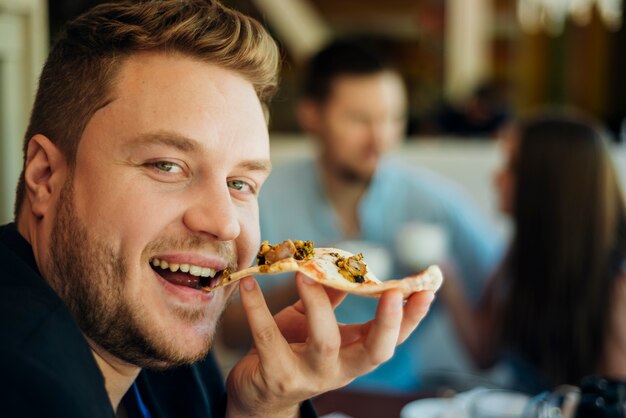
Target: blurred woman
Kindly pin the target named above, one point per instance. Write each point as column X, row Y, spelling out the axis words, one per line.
column 556, row 307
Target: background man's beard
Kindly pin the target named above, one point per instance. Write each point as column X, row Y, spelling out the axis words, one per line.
column 352, row 176
column 90, row 277
column 348, row 174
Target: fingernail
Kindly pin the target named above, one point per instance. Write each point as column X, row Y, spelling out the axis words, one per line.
column 248, row 284
column 308, row 280
column 429, row 297
column 397, row 305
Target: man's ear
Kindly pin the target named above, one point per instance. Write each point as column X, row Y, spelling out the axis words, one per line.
column 309, row 115
column 44, row 173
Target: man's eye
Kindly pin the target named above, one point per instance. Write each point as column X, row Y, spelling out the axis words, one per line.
column 167, row 166
column 241, row 186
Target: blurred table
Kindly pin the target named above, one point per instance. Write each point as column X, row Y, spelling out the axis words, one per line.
column 366, row 404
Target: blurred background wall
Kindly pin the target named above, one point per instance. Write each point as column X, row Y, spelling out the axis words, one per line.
column 447, row 49
column 512, row 55
column 24, row 39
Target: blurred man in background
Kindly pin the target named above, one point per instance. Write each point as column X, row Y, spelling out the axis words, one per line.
column 355, row 196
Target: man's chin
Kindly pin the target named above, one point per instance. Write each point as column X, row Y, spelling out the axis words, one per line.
column 356, row 176
column 153, row 342
column 176, row 356
column 155, row 364
column 181, row 336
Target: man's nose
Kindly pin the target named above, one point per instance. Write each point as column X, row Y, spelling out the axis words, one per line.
column 214, row 213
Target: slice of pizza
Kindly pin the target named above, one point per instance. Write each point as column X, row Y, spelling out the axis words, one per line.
column 331, row 267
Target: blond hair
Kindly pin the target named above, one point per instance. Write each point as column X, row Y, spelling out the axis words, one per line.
column 81, row 69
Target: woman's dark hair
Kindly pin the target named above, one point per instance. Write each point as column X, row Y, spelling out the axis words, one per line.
column 567, row 248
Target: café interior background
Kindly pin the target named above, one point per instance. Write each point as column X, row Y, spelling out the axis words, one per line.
column 446, row 50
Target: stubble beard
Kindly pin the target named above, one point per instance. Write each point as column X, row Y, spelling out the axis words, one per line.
column 347, row 174
column 351, row 176
column 90, row 276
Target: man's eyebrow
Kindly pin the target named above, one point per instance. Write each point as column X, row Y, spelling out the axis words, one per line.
column 257, row 165
column 189, row 145
column 171, row 139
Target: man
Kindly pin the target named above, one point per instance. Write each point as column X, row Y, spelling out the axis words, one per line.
column 145, row 152
column 354, row 108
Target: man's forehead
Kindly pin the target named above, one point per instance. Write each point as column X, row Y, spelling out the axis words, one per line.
column 183, row 103
column 346, row 86
column 172, row 82
column 162, row 72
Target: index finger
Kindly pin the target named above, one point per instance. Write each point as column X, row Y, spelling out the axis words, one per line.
column 334, row 295
column 272, row 347
column 324, row 338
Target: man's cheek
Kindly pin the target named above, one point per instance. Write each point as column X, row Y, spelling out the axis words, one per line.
column 249, row 239
column 229, row 293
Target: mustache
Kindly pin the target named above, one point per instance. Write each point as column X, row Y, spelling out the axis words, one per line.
column 197, row 243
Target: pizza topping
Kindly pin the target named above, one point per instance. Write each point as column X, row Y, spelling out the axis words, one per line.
column 299, row 250
column 352, row 268
column 304, row 250
column 330, row 267
column 260, row 257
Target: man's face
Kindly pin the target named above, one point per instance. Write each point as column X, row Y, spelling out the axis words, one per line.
column 362, row 118
column 167, row 172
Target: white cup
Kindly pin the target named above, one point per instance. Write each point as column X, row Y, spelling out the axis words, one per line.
column 420, row 244
column 497, row 403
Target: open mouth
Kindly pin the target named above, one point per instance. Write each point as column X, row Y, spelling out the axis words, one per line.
column 188, row 275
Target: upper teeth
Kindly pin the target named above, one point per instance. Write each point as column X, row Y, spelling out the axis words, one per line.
column 185, row 268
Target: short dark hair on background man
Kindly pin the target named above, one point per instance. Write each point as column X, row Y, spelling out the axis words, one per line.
column 354, row 56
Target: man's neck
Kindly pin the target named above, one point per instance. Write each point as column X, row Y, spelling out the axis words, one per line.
column 118, row 375
column 345, row 196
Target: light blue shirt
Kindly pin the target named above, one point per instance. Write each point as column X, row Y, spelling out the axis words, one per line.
column 294, row 205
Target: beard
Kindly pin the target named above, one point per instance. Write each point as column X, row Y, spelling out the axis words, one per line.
column 91, row 278
column 357, row 170
column 348, row 174
column 352, row 176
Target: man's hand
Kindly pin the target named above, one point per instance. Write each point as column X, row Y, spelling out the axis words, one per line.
column 303, row 351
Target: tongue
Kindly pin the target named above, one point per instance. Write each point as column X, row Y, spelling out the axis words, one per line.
column 180, row 279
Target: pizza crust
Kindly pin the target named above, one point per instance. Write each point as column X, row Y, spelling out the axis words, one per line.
column 323, row 269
